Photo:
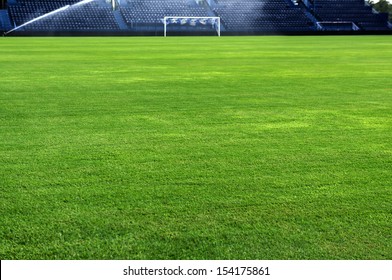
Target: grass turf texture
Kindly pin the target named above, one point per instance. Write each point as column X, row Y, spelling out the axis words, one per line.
column 196, row 148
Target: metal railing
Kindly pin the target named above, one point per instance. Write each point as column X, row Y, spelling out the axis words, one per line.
column 320, row 27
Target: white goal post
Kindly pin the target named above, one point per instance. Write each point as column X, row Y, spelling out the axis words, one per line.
column 193, row 21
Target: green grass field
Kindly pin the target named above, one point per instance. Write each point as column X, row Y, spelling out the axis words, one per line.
column 196, row 148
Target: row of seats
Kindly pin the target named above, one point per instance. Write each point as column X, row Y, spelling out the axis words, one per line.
column 153, row 11
column 85, row 17
column 264, row 15
column 350, row 10
column 236, row 15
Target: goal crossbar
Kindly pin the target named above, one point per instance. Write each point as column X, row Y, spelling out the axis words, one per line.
column 214, row 21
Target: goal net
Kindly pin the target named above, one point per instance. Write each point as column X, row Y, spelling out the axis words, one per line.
column 213, row 22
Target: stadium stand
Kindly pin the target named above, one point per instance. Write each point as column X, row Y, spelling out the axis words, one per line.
column 92, row 16
column 262, row 15
column 237, row 16
column 337, row 14
column 148, row 14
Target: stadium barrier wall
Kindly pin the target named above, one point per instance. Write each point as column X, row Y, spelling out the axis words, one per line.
column 194, row 33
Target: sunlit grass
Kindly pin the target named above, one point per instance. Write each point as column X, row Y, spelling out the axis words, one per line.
column 196, row 148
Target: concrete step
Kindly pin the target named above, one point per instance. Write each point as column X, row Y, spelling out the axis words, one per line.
column 120, row 20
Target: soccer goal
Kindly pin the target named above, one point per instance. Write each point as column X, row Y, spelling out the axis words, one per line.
column 214, row 22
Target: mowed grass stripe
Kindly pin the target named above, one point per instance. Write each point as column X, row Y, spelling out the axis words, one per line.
column 196, row 148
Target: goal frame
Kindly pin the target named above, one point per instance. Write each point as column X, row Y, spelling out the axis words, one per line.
column 218, row 22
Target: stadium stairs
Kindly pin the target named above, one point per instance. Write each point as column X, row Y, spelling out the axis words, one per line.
column 305, row 9
column 5, row 22
column 120, row 20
